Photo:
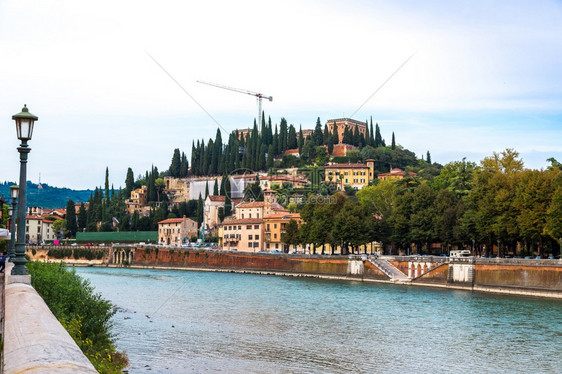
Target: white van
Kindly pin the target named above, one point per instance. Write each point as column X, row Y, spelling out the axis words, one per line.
column 460, row 253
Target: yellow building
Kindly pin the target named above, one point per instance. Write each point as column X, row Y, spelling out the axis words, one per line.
column 274, row 228
column 353, row 175
column 137, row 200
column 245, row 235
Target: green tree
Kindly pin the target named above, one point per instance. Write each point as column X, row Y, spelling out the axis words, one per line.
column 317, row 135
column 292, row 138
column 129, row 182
column 71, row 223
column 175, row 166
column 216, row 187
column 228, row 198
column 59, row 225
column 291, row 236
column 82, row 217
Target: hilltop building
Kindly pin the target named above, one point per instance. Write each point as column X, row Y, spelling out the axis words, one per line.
column 341, row 124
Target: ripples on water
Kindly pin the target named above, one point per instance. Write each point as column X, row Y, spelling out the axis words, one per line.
column 193, row 322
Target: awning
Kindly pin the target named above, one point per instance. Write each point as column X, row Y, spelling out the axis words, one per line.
column 5, row 234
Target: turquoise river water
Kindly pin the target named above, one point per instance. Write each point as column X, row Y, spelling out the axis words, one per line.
column 202, row 322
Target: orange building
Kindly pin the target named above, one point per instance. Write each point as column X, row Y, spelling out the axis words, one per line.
column 275, row 227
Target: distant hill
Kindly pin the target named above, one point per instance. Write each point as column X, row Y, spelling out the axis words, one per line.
column 47, row 196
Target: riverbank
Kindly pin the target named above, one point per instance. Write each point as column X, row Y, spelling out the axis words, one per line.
column 537, row 278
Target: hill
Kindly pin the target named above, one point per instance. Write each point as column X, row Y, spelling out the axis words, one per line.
column 47, row 196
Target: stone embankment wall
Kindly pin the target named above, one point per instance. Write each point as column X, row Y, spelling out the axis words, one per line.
column 529, row 277
column 543, row 275
column 34, row 341
column 163, row 257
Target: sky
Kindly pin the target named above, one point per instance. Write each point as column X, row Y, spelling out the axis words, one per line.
column 114, row 83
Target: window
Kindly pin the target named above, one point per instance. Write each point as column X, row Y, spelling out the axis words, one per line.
column 248, row 227
column 250, row 215
column 257, row 237
column 256, row 244
column 256, row 227
column 274, row 236
column 242, row 215
column 239, row 227
column 268, row 227
column 250, row 237
column 274, row 225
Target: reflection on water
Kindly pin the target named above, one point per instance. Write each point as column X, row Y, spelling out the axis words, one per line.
column 193, row 322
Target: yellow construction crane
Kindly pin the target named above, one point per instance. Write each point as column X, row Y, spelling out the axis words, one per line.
column 256, row 94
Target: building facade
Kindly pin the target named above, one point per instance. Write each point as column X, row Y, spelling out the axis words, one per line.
column 38, row 230
column 354, row 175
column 340, row 124
column 245, row 235
column 274, row 228
column 174, row 231
column 395, row 174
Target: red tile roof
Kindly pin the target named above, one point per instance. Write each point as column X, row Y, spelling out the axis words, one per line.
column 174, row 220
column 242, row 221
column 283, row 216
column 251, row 204
column 347, row 166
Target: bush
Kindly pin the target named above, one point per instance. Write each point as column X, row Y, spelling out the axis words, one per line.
column 84, row 313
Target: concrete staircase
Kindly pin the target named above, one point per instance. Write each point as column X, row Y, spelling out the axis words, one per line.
column 390, row 270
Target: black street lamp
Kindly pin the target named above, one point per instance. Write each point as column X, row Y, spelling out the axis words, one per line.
column 24, row 128
column 14, row 191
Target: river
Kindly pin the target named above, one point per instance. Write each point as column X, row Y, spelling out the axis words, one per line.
column 205, row 322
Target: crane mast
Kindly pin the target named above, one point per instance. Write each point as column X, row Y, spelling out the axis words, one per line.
column 258, row 95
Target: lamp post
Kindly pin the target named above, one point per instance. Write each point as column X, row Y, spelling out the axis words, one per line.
column 14, row 191
column 24, row 128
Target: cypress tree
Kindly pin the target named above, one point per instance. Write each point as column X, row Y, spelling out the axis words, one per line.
column 367, row 134
column 317, row 135
column 107, row 184
column 82, row 217
column 71, row 223
column 276, row 145
column 175, row 166
column 300, row 142
column 283, row 136
column 199, row 211
column 216, row 187
column 270, row 151
column 372, row 135
column 222, row 190
column 292, row 140
column 356, row 137
column 227, row 199
column 393, row 146
column 330, row 145
column 206, row 189
column 335, row 136
column 218, row 152
column 194, row 157
column 378, row 137
column 129, row 182
column 428, row 158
